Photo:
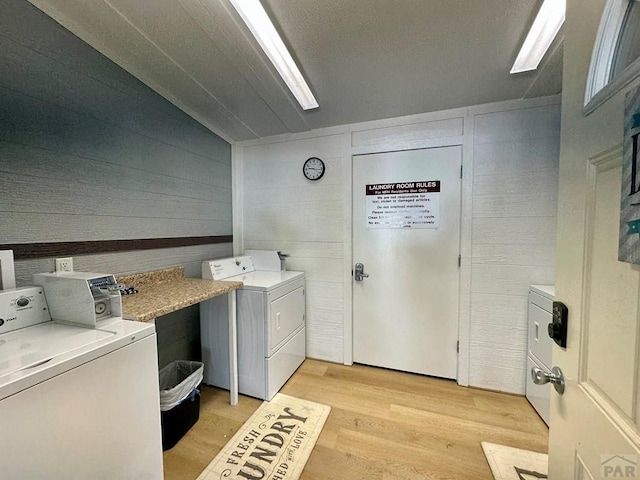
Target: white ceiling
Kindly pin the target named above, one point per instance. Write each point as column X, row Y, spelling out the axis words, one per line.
column 364, row 59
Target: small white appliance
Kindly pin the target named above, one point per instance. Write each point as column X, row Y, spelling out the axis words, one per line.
column 540, row 346
column 271, row 326
column 81, row 298
column 79, row 396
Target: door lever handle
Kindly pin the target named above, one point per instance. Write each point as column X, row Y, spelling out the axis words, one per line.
column 556, row 378
column 359, row 274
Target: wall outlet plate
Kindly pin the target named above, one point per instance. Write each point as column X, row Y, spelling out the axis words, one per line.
column 64, row 264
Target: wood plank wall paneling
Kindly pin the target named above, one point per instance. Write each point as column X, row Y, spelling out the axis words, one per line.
column 514, row 150
column 407, row 136
column 23, row 251
column 178, row 336
column 89, row 153
column 284, row 211
column 123, row 263
column 514, row 231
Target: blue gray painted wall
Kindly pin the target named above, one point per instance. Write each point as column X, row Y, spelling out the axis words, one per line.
column 87, row 152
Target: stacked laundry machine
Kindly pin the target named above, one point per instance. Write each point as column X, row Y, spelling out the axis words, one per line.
column 540, row 346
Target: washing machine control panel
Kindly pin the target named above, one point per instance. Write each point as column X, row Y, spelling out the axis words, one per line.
column 22, row 307
column 227, row 267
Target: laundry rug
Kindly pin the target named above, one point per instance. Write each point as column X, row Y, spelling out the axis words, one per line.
column 509, row 463
column 274, row 443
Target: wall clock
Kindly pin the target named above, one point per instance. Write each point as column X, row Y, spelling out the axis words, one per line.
column 313, row 168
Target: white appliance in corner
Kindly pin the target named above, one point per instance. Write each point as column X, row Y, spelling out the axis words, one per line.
column 540, row 346
column 76, row 401
column 271, row 327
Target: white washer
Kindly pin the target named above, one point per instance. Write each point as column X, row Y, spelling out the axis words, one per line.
column 271, row 327
column 76, row 402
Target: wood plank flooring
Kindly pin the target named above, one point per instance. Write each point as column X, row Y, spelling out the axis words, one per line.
column 384, row 425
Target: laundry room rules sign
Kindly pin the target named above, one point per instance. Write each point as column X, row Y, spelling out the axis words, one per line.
column 403, row 205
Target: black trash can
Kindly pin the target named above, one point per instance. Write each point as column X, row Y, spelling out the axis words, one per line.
column 179, row 399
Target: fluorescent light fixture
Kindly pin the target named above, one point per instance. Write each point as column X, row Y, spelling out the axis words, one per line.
column 544, row 29
column 254, row 15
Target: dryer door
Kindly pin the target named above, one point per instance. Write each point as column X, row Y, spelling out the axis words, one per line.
column 286, row 316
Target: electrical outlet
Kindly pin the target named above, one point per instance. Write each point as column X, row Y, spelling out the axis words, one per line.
column 64, row 264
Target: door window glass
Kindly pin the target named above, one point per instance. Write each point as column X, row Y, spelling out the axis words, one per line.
column 628, row 45
column 615, row 61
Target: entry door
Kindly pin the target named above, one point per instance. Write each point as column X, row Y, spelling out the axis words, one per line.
column 595, row 425
column 406, row 233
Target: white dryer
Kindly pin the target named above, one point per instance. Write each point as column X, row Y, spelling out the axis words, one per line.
column 271, row 327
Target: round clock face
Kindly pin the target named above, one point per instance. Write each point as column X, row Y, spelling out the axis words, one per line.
column 313, row 168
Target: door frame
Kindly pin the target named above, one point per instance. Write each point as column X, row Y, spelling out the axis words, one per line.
column 417, row 136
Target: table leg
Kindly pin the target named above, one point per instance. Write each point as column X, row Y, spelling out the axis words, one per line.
column 233, row 348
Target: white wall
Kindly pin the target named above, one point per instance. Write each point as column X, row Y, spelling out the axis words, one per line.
column 510, row 156
column 515, row 182
column 284, row 211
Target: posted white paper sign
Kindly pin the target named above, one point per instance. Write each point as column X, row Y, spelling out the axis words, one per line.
column 403, row 205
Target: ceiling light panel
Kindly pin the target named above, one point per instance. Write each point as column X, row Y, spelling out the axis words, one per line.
column 256, row 18
column 544, row 29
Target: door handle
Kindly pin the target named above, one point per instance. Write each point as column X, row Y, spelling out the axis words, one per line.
column 540, row 377
column 359, row 274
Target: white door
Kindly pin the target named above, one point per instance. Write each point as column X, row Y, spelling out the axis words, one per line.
column 594, row 425
column 406, row 233
column 594, row 429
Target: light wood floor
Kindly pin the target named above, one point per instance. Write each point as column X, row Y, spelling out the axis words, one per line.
column 383, row 425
